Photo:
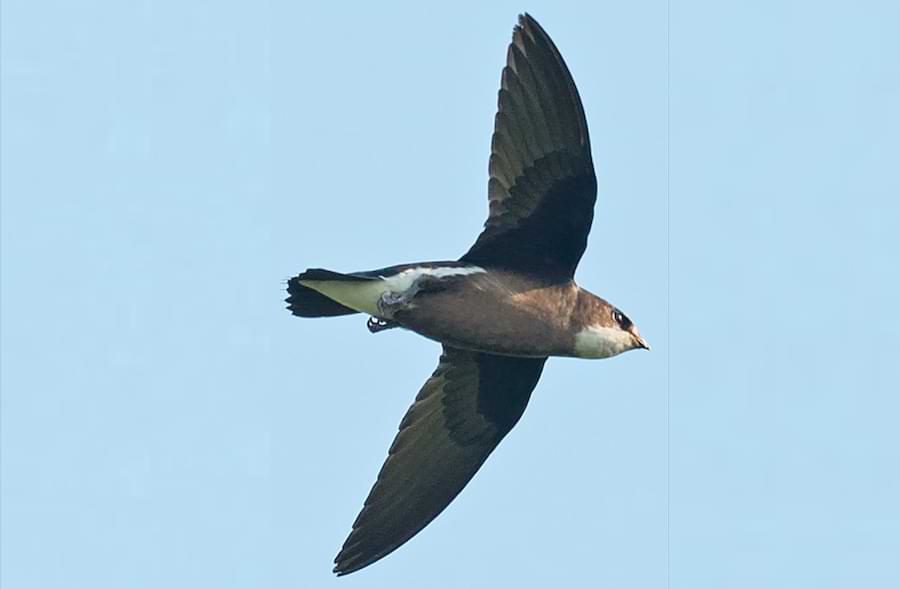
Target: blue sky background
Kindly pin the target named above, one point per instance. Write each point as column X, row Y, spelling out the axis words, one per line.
column 167, row 165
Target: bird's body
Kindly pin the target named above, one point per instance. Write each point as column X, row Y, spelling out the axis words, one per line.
column 482, row 309
column 499, row 312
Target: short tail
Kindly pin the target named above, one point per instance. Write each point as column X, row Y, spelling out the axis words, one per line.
column 306, row 302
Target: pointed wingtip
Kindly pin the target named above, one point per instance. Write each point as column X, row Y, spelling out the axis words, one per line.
column 526, row 20
column 527, row 25
column 344, row 565
column 350, row 558
column 339, row 567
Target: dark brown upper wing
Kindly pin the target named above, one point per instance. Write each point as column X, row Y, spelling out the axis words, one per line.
column 462, row 412
column 542, row 186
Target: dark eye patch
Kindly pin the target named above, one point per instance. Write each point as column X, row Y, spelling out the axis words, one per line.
column 623, row 321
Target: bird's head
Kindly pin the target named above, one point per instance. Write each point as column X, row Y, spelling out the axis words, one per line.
column 607, row 332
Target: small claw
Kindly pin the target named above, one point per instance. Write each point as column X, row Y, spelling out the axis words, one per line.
column 376, row 324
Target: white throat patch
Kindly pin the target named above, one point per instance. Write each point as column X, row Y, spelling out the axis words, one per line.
column 602, row 342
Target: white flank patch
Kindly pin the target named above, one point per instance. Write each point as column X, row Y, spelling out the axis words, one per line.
column 602, row 342
column 363, row 296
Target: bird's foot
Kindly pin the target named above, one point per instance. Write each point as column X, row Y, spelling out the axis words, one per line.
column 376, row 324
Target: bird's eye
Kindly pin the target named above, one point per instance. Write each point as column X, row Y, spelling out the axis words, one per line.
column 621, row 319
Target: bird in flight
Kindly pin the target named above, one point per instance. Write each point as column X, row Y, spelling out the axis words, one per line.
column 499, row 311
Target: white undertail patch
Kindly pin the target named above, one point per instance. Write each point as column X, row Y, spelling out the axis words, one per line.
column 363, row 296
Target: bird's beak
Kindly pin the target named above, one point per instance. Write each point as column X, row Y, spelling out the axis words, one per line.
column 641, row 343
